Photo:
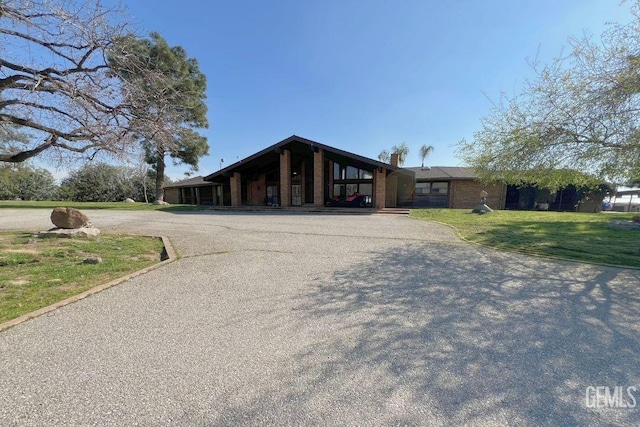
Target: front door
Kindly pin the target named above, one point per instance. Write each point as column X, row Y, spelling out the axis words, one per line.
column 296, row 195
column 272, row 195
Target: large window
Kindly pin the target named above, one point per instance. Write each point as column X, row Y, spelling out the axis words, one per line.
column 366, row 189
column 439, row 187
column 432, row 188
column 423, row 187
column 350, row 173
column 349, row 180
column 348, row 189
column 365, row 174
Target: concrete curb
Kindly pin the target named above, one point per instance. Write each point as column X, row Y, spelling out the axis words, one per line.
column 170, row 257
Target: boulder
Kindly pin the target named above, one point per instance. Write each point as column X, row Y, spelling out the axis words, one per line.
column 69, row 218
column 129, row 200
column 482, row 209
column 160, row 202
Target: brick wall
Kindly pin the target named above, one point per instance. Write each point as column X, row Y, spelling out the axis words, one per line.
column 465, row 194
column 391, row 199
column 318, row 178
column 285, row 178
column 380, row 183
column 172, row 195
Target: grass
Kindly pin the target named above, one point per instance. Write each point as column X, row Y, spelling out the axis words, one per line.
column 123, row 206
column 576, row 236
column 35, row 273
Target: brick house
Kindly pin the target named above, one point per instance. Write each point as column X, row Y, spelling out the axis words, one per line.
column 297, row 172
column 453, row 187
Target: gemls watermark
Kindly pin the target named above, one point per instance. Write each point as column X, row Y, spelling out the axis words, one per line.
column 617, row 397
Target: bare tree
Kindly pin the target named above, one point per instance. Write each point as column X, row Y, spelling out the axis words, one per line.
column 140, row 169
column 384, row 156
column 55, row 83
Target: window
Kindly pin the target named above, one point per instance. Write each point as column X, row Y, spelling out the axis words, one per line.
column 432, row 188
column 345, row 190
column 365, row 174
column 439, row 187
column 366, row 189
column 423, row 187
column 352, row 173
column 352, row 188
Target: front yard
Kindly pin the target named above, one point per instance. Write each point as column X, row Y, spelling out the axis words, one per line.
column 577, row 236
column 35, row 273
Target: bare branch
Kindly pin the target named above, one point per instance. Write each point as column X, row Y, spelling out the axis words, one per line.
column 63, row 90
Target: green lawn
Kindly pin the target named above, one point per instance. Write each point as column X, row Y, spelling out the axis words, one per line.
column 8, row 204
column 35, row 273
column 577, row 236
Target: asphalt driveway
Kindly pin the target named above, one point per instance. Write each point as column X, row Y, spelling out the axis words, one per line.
column 318, row 319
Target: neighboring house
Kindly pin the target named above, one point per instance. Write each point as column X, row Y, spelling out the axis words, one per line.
column 193, row 191
column 623, row 199
column 453, row 187
column 296, row 172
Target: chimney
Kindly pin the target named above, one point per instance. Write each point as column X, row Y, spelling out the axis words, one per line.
column 395, row 159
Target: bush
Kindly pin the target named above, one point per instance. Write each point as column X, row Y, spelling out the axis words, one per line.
column 26, row 182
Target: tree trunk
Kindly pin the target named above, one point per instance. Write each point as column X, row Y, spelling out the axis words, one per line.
column 144, row 187
column 160, row 178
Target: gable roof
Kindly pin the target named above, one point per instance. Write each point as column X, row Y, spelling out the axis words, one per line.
column 272, row 152
column 190, row 182
column 443, row 173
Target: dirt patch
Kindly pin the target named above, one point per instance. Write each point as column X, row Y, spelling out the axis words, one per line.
column 23, row 251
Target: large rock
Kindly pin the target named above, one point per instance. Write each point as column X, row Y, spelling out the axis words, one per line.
column 68, row 218
column 482, row 209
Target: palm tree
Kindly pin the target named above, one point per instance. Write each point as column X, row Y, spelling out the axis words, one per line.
column 425, row 150
column 402, row 150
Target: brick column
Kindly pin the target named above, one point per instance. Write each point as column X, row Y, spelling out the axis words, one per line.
column 236, row 189
column 380, row 184
column 285, row 178
column 318, row 178
column 331, row 179
column 392, row 191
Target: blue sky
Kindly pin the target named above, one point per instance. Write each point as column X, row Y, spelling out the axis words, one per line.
column 362, row 75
